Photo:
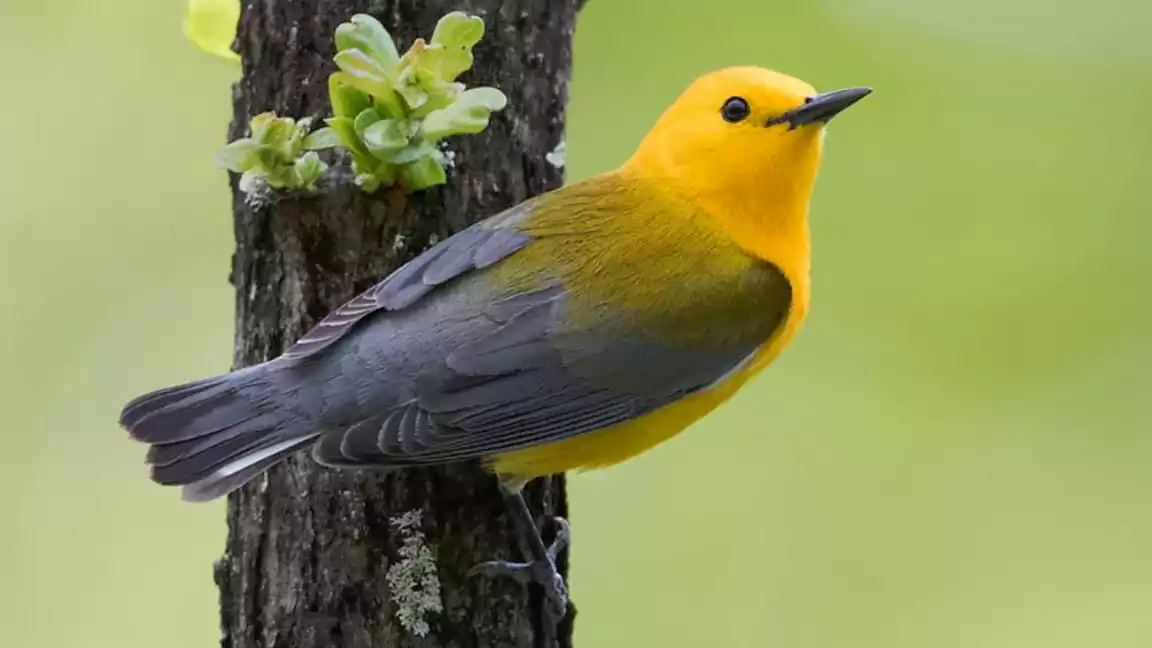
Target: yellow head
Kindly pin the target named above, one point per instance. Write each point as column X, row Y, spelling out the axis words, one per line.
column 744, row 145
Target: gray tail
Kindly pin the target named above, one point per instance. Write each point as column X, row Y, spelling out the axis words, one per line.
column 212, row 436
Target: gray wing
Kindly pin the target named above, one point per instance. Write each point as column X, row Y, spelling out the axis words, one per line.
column 533, row 380
column 473, row 248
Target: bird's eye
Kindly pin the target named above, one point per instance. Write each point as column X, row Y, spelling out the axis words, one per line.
column 808, row 100
column 735, row 109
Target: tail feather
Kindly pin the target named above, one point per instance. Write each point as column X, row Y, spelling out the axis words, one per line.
column 165, row 454
column 229, row 478
column 199, row 408
column 144, row 405
column 220, row 457
column 213, row 435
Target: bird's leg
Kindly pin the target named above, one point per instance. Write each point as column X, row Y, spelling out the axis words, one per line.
column 541, row 566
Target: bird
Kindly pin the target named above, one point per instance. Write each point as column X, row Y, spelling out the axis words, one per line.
column 572, row 331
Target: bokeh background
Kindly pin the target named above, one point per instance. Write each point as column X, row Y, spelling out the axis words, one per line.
column 955, row 454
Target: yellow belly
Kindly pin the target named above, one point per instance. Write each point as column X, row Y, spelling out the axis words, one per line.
column 625, row 440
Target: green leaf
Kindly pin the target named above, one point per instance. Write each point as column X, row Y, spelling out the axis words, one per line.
column 431, row 66
column 389, row 106
column 414, row 96
column 268, row 159
column 350, row 139
column 274, row 135
column 308, row 168
column 260, row 124
column 386, row 137
column 322, row 138
column 346, row 100
column 359, row 164
column 365, row 33
column 409, row 60
column 439, row 96
column 458, row 29
column 415, row 151
column 450, row 54
column 279, row 178
column 453, row 63
column 425, row 172
column 239, row 156
column 468, row 114
column 408, row 74
column 386, row 173
column 365, row 73
column 367, row 182
column 365, row 119
column 280, row 133
column 294, row 145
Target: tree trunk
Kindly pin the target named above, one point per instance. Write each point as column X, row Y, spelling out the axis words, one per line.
column 309, row 549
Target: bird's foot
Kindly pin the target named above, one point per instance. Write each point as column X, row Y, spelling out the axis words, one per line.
column 541, row 572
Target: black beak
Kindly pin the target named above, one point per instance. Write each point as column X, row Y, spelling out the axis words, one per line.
column 821, row 108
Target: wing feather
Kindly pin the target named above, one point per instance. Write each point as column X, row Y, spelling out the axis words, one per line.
column 476, row 247
column 531, row 382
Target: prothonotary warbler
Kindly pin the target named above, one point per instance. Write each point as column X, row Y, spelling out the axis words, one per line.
column 572, row 331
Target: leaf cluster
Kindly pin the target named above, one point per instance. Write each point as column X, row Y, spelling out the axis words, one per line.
column 390, row 111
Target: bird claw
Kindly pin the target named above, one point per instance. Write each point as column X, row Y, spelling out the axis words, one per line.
column 563, row 537
column 543, row 573
column 521, row 572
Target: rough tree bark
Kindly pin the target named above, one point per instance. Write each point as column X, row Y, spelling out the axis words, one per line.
column 308, row 548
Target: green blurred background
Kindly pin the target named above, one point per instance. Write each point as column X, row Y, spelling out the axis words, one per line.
column 955, row 453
